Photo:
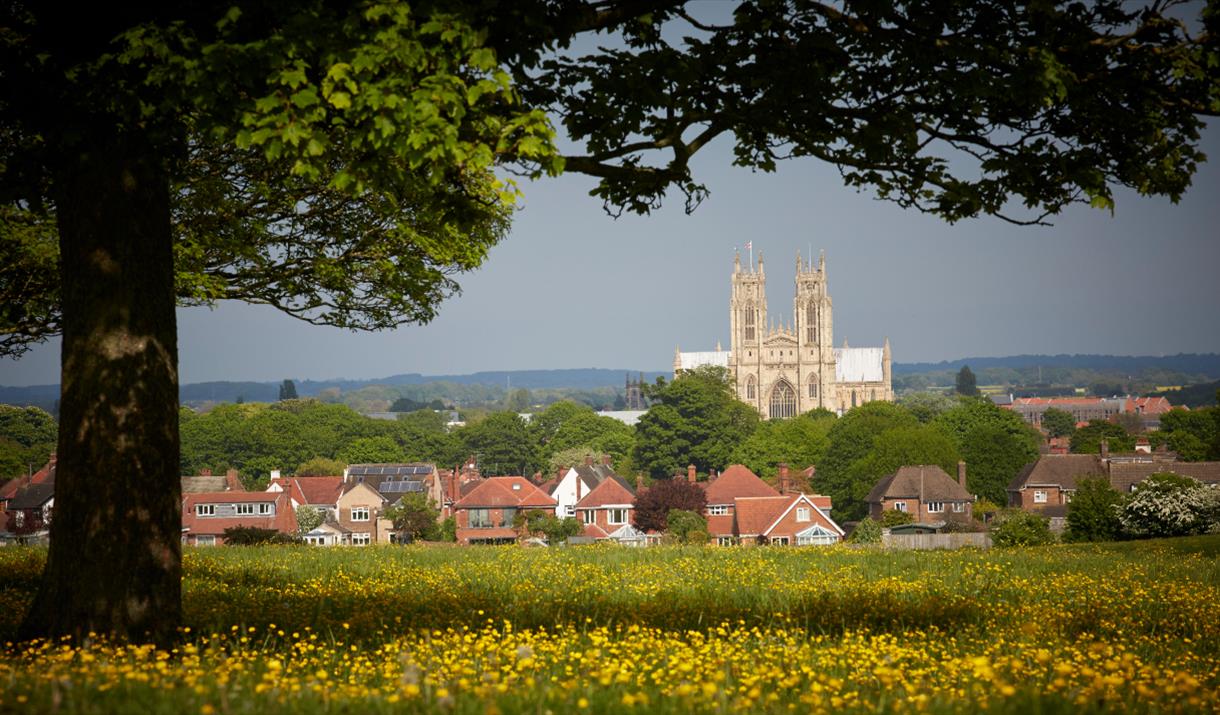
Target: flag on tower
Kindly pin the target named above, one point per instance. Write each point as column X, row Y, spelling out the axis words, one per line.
column 749, row 245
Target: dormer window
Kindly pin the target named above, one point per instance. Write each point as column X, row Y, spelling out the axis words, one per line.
column 205, row 510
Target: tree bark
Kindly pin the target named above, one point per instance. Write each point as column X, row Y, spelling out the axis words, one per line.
column 115, row 560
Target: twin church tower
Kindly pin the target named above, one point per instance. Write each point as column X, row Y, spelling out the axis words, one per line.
column 786, row 369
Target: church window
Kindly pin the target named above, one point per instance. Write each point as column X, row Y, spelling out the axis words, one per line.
column 853, row 398
column 811, row 323
column 749, row 321
column 872, row 395
column 783, row 401
column 750, row 388
column 813, row 389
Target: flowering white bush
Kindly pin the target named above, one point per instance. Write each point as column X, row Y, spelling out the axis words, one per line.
column 1171, row 505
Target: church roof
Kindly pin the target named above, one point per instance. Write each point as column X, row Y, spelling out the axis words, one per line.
column 859, row 365
column 690, row 361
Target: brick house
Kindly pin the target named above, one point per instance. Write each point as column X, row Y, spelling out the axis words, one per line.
column 573, row 484
column 206, row 515
column 1047, row 484
column 321, row 494
column 925, row 492
column 735, row 482
column 9, row 531
column 485, row 515
column 785, row 520
column 607, row 509
column 358, row 516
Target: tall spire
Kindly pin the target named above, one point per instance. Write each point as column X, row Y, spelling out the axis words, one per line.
column 822, row 261
column 737, row 261
column 800, row 267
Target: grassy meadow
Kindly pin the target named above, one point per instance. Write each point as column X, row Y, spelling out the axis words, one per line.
column 1068, row 628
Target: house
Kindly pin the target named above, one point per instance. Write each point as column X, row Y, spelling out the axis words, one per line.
column 607, row 509
column 1126, row 476
column 722, row 493
column 485, row 515
column 358, row 513
column 206, row 515
column 206, row 482
column 394, row 480
column 1047, row 484
column 12, row 488
column 784, row 520
column 1085, row 409
column 322, row 494
column 925, row 492
column 29, row 512
column 573, row 484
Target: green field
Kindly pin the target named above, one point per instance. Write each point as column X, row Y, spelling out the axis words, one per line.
column 1129, row 626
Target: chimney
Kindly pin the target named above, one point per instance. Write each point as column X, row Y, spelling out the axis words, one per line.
column 1105, row 449
column 233, row 481
column 54, row 457
column 606, row 460
column 783, row 478
column 690, row 473
column 275, row 474
column 205, row 472
column 961, row 473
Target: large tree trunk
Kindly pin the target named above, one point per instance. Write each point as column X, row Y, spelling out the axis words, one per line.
column 115, row 560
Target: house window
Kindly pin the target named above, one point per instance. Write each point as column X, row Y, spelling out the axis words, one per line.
column 1039, row 496
column 363, row 539
column 360, row 513
column 588, row 516
column 315, row 540
column 959, row 506
column 507, row 516
column 479, row 518
column 265, row 508
column 935, row 507
column 815, row 536
column 779, row 541
column 569, row 510
column 718, row 510
column 205, row 510
column 243, row 509
column 900, row 506
column 1067, row 497
column 726, row 541
column 618, row 516
column 802, row 513
column 205, row 540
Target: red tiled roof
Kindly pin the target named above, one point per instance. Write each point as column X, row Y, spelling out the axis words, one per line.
column 611, row 491
column 720, row 525
column 316, row 490
column 495, row 492
column 755, row 514
column 284, row 520
column 9, row 489
column 927, row 482
column 593, row 531
column 737, row 481
column 498, row 532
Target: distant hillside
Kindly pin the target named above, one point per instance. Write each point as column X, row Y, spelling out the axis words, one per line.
column 1207, row 364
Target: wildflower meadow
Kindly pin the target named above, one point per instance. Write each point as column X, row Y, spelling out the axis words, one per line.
column 1065, row 628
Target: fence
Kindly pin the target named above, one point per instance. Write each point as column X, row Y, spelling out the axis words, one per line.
column 936, row 541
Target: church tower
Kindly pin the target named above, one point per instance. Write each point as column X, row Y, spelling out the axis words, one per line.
column 813, row 318
column 747, row 328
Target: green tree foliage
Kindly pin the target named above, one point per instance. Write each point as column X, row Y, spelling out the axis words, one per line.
column 797, row 442
column 696, row 419
column 686, row 527
column 1058, row 423
column 27, row 439
column 652, row 505
column 257, row 536
column 995, row 444
column 892, row 449
column 518, row 400
column 927, row 406
column 551, row 527
column 867, row 531
column 1087, row 439
column 503, row 445
column 1093, row 512
column 448, row 530
column 598, row 433
column 320, row 467
column 1190, row 433
column 288, row 390
column 851, row 440
column 309, row 518
column 1017, row 527
column 1167, row 504
column 373, row 450
column 413, row 516
column 406, row 404
column 965, row 384
column 892, row 517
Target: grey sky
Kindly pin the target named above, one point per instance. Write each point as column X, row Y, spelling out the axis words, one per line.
column 572, row 287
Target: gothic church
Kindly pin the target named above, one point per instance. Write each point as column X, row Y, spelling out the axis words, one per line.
column 785, row 370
